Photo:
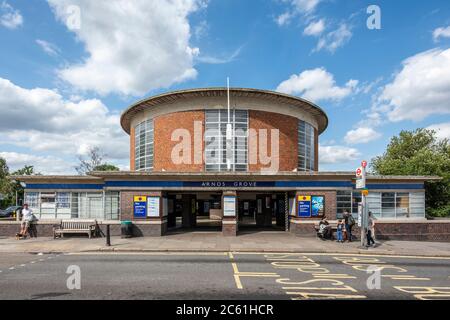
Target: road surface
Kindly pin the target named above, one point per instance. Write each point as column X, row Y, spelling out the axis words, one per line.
column 222, row 276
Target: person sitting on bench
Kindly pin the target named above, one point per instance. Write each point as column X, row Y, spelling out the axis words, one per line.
column 324, row 229
column 27, row 218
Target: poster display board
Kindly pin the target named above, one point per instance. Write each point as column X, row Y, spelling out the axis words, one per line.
column 140, row 206
column 229, row 206
column 304, row 206
column 153, row 207
column 318, row 205
column 310, row 206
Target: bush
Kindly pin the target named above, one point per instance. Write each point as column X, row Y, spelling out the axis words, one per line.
column 441, row 212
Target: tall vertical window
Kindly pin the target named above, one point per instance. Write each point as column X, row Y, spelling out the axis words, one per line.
column 143, row 141
column 305, row 146
column 347, row 200
column 32, row 199
column 215, row 140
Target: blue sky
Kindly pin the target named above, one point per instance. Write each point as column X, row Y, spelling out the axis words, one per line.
column 64, row 62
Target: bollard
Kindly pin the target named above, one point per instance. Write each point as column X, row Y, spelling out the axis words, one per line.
column 108, row 236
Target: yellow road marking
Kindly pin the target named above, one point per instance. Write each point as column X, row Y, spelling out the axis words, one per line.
column 344, row 254
column 238, row 282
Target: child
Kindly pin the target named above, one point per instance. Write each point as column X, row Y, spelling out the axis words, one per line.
column 340, row 229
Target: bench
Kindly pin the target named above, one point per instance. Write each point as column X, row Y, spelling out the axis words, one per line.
column 89, row 227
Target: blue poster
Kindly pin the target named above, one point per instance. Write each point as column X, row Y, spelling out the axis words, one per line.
column 304, row 206
column 317, row 206
column 140, row 207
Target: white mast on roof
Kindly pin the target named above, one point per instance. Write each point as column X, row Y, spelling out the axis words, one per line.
column 229, row 133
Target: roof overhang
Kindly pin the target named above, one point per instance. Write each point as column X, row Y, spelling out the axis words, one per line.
column 170, row 97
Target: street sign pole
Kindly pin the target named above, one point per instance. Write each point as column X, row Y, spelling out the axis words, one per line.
column 361, row 185
column 364, row 205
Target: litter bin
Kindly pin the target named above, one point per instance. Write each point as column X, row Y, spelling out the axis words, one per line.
column 127, row 229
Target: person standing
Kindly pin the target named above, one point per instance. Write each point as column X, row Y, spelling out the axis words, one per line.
column 370, row 230
column 339, row 230
column 349, row 223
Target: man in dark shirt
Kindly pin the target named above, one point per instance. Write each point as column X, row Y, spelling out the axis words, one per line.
column 349, row 221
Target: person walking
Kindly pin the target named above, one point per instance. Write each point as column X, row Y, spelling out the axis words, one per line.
column 370, row 230
column 349, row 223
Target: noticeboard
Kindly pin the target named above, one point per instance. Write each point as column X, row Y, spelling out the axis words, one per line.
column 153, row 206
column 140, row 207
column 304, row 206
column 229, row 206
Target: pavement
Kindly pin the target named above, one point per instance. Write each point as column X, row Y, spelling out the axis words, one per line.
column 262, row 241
column 221, row 276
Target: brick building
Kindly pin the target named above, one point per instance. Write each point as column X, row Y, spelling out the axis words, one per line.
column 188, row 172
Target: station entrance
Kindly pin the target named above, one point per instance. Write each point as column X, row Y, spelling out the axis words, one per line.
column 261, row 211
column 203, row 211
column 195, row 211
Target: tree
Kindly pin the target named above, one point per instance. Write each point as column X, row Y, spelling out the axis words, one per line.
column 106, row 167
column 94, row 162
column 8, row 188
column 4, row 183
column 420, row 152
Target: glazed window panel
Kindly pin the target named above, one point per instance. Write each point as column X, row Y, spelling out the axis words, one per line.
column 32, row 198
column 417, row 204
column 144, row 136
column 216, row 143
column 306, row 139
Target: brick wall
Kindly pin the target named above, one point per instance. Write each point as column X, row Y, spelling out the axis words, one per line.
column 127, row 203
column 164, row 126
column 288, row 135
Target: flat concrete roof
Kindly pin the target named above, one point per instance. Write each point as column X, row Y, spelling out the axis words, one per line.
column 99, row 176
column 169, row 97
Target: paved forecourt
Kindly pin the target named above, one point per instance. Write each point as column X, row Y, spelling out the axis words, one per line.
column 226, row 275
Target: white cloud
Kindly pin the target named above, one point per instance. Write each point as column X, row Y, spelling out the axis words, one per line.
column 47, row 164
column 420, row 89
column 337, row 154
column 49, row 48
column 133, row 46
column 315, row 28
column 298, row 7
column 335, row 39
column 221, row 59
column 442, row 130
column 305, row 6
column 361, row 135
column 441, row 33
column 9, row 17
column 316, row 84
column 41, row 120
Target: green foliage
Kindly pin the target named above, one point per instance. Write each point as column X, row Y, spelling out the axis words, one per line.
column 9, row 188
column 420, row 153
column 106, row 167
column 94, row 162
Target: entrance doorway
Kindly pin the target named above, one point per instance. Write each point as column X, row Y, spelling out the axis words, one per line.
column 198, row 211
column 261, row 211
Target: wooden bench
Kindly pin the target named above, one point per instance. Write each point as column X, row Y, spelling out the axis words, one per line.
column 75, row 226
